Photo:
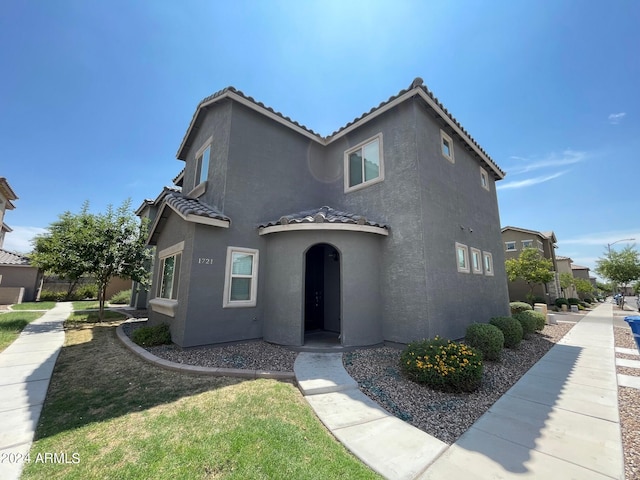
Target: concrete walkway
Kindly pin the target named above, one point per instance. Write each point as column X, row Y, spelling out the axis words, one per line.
column 25, row 371
column 560, row 420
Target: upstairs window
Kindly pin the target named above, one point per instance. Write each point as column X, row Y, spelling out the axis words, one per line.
column 202, row 165
column 527, row 243
column 510, row 246
column 484, row 178
column 447, row 146
column 364, row 164
column 540, row 246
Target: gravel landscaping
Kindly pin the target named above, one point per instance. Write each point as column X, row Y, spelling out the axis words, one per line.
column 445, row 416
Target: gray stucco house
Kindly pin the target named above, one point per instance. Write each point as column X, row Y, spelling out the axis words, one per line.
column 386, row 230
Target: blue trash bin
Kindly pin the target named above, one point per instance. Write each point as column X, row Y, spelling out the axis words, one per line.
column 634, row 323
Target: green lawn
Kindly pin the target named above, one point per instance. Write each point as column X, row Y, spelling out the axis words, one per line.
column 33, row 306
column 125, row 418
column 91, row 316
column 86, row 305
column 12, row 323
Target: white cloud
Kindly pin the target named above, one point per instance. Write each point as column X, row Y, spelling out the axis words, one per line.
column 529, row 181
column 553, row 160
column 19, row 240
column 603, row 238
column 616, row 118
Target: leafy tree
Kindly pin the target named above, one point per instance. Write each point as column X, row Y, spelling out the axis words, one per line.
column 621, row 267
column 566, row 282
column 105, row 245
column 531, row 267
column 583, row 286
column 61, row 251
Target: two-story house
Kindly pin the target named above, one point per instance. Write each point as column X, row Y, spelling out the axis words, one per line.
column 386, row 230
column 516, row 239
column 19, row 281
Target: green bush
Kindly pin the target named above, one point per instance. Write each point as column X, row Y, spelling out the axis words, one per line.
column 487, row 338
column 151, row 336
column 517, row 307
column 443, row 365
column 573, row 301
column 561, row 301
column 539, row 300
column 50, row 296
column 530, row 321
column 121, row 297
column 87, row 292
column 588, row 300
column 511, row 329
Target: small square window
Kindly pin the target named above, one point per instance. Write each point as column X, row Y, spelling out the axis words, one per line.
column 364, row 164
column 462, row 258
column 447, row 146
column 510, row 246
column 476, row 260
column 241, row 279
column 484, row 178
column 488, row 263
column 527, row 243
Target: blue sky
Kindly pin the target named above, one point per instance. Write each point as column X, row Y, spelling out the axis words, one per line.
column 95, row 96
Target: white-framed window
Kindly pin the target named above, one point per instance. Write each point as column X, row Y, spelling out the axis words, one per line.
column 488, row 263
column 462, row 258
column 476, row 260
column 364, row 164
column 446, row 146
column 540, row 246
column 484, row 179
column 203, row 157
column 510, row 246
column 527, row 244
column 169, row 271
column 241, row 278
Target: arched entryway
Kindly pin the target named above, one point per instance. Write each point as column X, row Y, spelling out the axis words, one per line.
column 322, row 294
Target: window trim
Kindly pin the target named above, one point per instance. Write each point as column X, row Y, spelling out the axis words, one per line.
column 199, row 155
column 507, row 249
column 360, row 146
column 523, row 243
column 487, row 271
column 228, row 277
column 484, row 179
column 172, row 251
column 540, row 246
column 473, row 266
column 444, row 137
column 465, row 249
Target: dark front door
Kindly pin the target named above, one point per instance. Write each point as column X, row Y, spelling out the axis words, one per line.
column 314, row 289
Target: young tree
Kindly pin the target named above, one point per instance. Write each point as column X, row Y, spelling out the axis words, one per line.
column 583, row 286
column 117, row 249
column 60, row 251
column 531, row 267
column 621, row 267
column 566, row 282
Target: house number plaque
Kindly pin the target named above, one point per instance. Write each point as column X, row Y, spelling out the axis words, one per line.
column 205, row 261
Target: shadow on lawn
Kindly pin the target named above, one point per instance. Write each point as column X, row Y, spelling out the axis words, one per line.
column 96, row 378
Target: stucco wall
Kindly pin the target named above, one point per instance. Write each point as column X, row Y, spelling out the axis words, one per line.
column 22, row 276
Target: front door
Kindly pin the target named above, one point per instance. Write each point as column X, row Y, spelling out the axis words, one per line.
column 314, row 289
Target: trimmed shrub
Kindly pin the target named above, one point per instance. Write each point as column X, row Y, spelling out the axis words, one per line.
column 152, row 336
column 511, row 329
column 50, row 296
column 539, row 300
column 443, row 365
column 487, row 338
column 561, row 301
column 517, row 307
column 87, row 292
column 530, row 321
column 121, row 297
column 588, row 300
column 573, row 301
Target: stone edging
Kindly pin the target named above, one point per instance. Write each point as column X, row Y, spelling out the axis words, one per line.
column 213, row 371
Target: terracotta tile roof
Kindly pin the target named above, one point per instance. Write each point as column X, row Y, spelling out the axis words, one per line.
column 192, row 206
column 321, row 215
column 416, row 86
column 10, row 258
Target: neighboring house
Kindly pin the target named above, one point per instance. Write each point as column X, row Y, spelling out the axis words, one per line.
column 19, row 281
column 514, row 240
column 582, row 272
column 563, row 265
column 386, row 230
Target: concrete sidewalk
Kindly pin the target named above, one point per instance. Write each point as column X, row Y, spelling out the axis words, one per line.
column 25, row 371
column 560, row 420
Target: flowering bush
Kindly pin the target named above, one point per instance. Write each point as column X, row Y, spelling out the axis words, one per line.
column 443, row 364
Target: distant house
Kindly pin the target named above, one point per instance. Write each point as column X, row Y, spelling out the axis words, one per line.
column 563, row 264
column 386, row 230
column 19, row 281
column 516, row 239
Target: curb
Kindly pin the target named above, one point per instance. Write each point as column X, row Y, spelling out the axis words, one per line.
column 212, row 371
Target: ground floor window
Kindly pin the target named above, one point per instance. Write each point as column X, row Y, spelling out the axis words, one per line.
column 169, row 272
column 241, row 277
column 488, row 263
column 462, row 257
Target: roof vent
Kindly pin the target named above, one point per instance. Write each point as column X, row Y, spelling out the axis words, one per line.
column 417, row 82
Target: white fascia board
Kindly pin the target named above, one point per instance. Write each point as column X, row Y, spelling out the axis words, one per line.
column 350, row 227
